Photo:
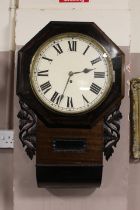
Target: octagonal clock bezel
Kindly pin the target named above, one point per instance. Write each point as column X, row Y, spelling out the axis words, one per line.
column 24, row 89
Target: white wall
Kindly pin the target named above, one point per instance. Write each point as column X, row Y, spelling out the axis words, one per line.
column 6, row 155
column 120, row 185
column 134, row 168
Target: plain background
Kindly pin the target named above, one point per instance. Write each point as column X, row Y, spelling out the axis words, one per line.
column 120, row 186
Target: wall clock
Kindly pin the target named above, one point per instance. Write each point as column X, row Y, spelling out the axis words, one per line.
column 69, row 80
column 71, row 73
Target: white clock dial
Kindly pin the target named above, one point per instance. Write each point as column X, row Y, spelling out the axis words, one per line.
column 71, row 73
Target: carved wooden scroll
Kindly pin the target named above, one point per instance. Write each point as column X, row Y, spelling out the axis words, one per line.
column 111, row 131
column 27, row 126
column 135, row 118
column 28, row 123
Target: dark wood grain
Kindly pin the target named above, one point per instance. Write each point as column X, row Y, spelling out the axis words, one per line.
column 54, row 168
column 93, row 153
column 69, row 176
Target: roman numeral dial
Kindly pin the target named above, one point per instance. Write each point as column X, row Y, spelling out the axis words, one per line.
column 86, row 50
column 42, row 73
column 56, row 97
column 71, row 73
column 72, row 45
column 96, row 60
column 58, row 48
column 69, row 102
column 95, row 88
column 45, row 87
column 85, row 99
column 47, row 59
column 99, row 74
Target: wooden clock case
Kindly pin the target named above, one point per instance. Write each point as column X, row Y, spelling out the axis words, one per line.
column 69, row 149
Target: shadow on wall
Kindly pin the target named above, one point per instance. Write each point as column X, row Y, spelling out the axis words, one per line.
column 77, row 192
column 3, row 87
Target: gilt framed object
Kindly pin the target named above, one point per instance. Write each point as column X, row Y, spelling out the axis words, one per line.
column 135, row 118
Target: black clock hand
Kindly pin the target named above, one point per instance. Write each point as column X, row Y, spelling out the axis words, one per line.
column 66, row 85
column 62, row 96
column 86, row 70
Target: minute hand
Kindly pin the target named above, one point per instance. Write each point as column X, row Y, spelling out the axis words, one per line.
column 86, row 70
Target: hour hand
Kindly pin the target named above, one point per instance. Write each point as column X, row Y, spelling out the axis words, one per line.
column 86, row 70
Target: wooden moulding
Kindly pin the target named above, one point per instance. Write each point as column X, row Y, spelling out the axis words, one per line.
column 135, row 119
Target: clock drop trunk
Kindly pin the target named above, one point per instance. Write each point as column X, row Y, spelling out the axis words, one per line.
column 68, row 156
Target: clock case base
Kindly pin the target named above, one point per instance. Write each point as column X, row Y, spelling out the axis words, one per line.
column 68, row 156
column 68, row 176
